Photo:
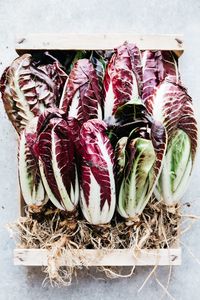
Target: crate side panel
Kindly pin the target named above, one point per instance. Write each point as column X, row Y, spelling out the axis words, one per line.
column 117, row 257
column 98, row 41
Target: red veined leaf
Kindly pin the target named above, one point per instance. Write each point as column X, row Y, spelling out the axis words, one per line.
column 81, row 97
column 97, row 177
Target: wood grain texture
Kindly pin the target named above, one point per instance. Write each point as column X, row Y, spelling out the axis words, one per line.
column 98, row 41
column 117, row 257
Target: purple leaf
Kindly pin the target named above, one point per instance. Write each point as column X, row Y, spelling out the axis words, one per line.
column 28, row 88
column 29, row 175
column 97, row 177
column 157, row 65
column 82, row 95
column 56, row 151
column 123, row 78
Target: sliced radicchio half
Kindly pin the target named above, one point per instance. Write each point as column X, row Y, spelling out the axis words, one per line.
column 81, row 98
column 97, row 184
column 55, row 148
column 29, row 87
column 123, row 79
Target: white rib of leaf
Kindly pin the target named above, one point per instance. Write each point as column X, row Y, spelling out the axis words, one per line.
column 74, row 192
column 63, row 93
column 58, row 177
column 31, row 194
column 92, row 211
column 73, row 110
column 21, row 101
column 47, row 187
column 109, row 102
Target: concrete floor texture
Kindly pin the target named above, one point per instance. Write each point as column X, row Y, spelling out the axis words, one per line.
column 93, row 16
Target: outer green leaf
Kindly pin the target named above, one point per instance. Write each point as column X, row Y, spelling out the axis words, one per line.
column 136, row 187
column 177, row 169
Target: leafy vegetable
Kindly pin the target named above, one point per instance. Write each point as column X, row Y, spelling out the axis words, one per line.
column 97, row 184
column 138, row 180
column 29, row 176
column 120, row 156
column 179, row 120
column 123, row 79
column 81, row 98
column 99, row 66
column 28, row 87
column 147, row 143
column 167, row 102
column 56, row 151
column 157, row 65
column 139, row 154
column 80, row 54
column 177, row 169
column 138, row 163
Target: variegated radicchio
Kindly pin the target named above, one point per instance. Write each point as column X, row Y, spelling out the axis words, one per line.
column 123, row 79
column 97, row 183
column 168, row 103
column 29, row 86
column 32, row 188
column 117, row 129
column 81, row 98
column 55, row 149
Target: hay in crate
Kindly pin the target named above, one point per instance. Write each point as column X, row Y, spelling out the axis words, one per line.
column 156, row 228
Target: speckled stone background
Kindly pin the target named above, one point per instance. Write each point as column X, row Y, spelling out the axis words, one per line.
column 166, row 16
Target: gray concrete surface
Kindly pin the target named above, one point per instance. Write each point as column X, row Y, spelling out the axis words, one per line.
column 141, row 16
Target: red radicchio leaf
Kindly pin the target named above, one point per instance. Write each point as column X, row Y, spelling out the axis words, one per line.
column 166, row 100
column 57, row 153
column 29, row 176
column 123, row 78
column 157, row 65
column 172, row 104
column 45, row 118
column 97, row 173
column 171, row 110
column 28, row 89
column 180, row 113
column 159, row 140
column 81, row 97
column 188, row 124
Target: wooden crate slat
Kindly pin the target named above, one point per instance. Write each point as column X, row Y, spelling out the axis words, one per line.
column 98, row 41
column 92, row 257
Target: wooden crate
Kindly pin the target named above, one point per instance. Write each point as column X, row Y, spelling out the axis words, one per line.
column 116, row 257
